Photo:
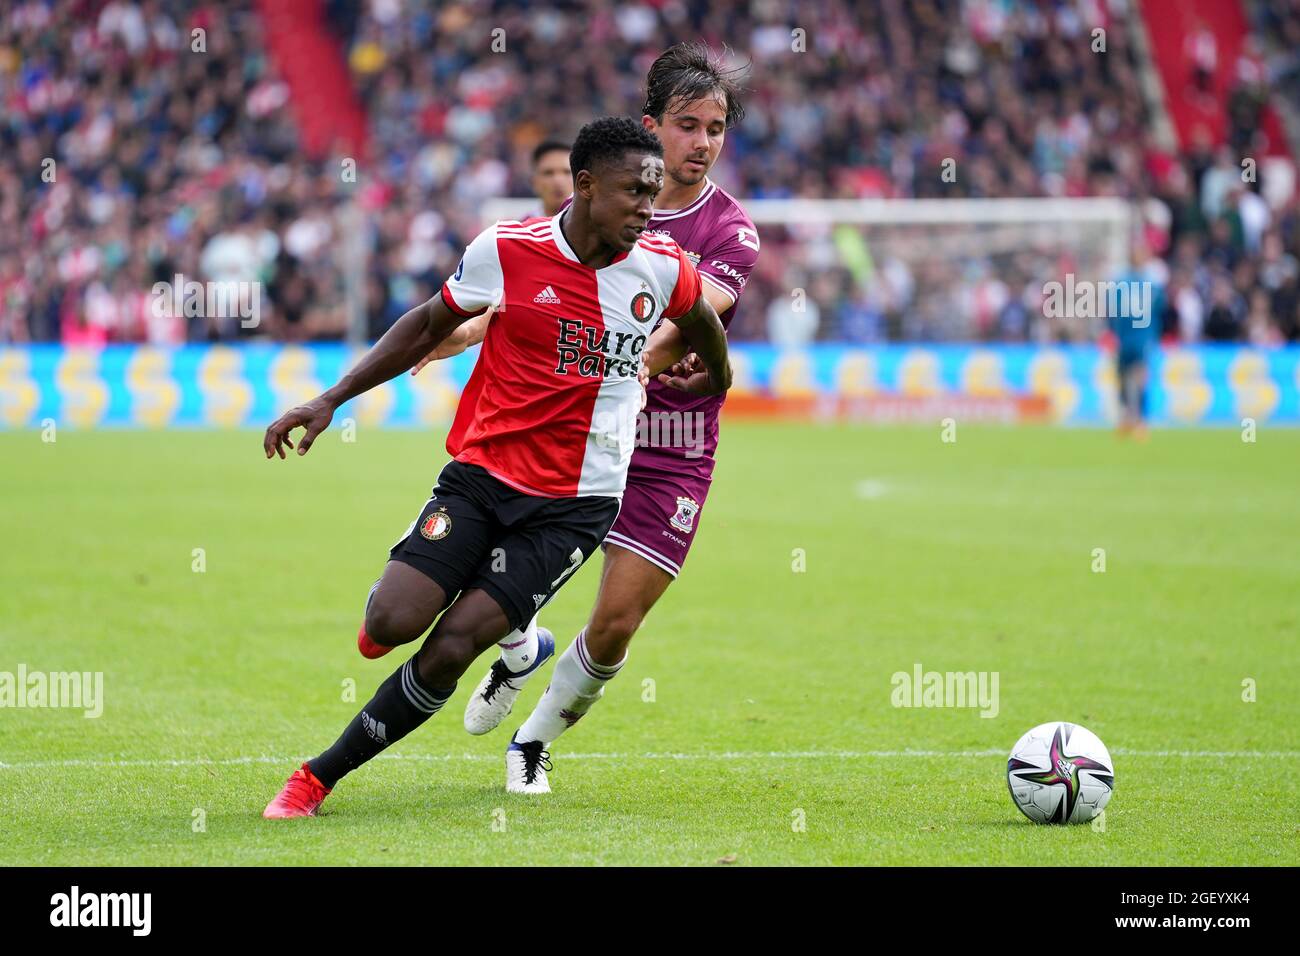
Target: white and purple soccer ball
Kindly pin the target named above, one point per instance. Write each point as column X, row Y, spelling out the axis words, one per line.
column 1060, row 773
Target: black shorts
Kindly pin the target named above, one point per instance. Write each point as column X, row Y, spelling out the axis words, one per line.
column 478, row 532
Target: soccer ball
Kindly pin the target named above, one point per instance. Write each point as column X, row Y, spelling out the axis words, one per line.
column 1060, row 773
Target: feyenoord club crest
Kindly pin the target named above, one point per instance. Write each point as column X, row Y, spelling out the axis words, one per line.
column 436, row 526
column 643, row 306
column 684, row 519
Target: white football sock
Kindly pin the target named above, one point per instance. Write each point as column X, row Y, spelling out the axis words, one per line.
column 577, row 683
column 519, row 648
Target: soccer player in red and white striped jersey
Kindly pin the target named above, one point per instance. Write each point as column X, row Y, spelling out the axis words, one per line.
column 541, row 439
column 691, row 101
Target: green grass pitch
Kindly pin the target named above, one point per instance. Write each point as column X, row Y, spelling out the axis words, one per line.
column 753, row 723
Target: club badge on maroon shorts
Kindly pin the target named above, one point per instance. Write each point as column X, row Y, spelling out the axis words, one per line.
column 436, row 526
column 684, row 519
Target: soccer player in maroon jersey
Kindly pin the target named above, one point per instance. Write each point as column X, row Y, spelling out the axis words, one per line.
column 542, row 437
column 691, row 101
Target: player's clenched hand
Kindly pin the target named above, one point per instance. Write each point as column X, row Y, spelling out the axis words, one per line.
column 690, row 375
column 315, row 416
column 690, row 364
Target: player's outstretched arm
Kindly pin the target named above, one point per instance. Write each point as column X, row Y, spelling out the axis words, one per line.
column 412, row 337
column 708, row 340
column 471, row 333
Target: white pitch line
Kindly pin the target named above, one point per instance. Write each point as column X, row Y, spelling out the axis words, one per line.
column 721, row 755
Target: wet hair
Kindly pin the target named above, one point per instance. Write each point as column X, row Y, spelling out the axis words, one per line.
column 607, row 139
column 687, row 72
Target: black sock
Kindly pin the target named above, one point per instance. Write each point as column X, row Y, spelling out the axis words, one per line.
column 401, row 704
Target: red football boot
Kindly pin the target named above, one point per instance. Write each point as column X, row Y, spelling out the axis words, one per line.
column 301, row 797
column 369, row 648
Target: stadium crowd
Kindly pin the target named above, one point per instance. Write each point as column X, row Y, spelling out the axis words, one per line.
column 131, row 158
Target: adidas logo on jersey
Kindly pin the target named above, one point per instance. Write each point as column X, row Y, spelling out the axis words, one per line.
column 547, row 297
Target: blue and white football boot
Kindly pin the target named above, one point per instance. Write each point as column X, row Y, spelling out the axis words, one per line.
column 495, row 695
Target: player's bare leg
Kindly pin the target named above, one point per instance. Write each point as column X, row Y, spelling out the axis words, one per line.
column 629, row 587
column 523, row 652
column 470, row 626
column 402, row 605
column 400, row 608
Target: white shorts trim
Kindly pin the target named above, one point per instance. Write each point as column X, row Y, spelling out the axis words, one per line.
column 639, row 549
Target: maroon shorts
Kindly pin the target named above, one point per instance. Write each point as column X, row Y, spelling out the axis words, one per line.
column 660, row 513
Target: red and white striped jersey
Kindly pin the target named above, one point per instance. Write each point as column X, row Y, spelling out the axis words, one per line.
column 551, row 406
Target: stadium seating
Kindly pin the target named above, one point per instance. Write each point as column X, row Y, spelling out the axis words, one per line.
column 227, row 161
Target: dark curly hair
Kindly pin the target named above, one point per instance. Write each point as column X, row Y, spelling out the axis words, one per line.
column 687, row 72
column 606, row 140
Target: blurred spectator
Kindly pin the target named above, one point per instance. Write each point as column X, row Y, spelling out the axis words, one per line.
column 169, row 161
column 1225, row 321
column 792, row 320
column 552, row 180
